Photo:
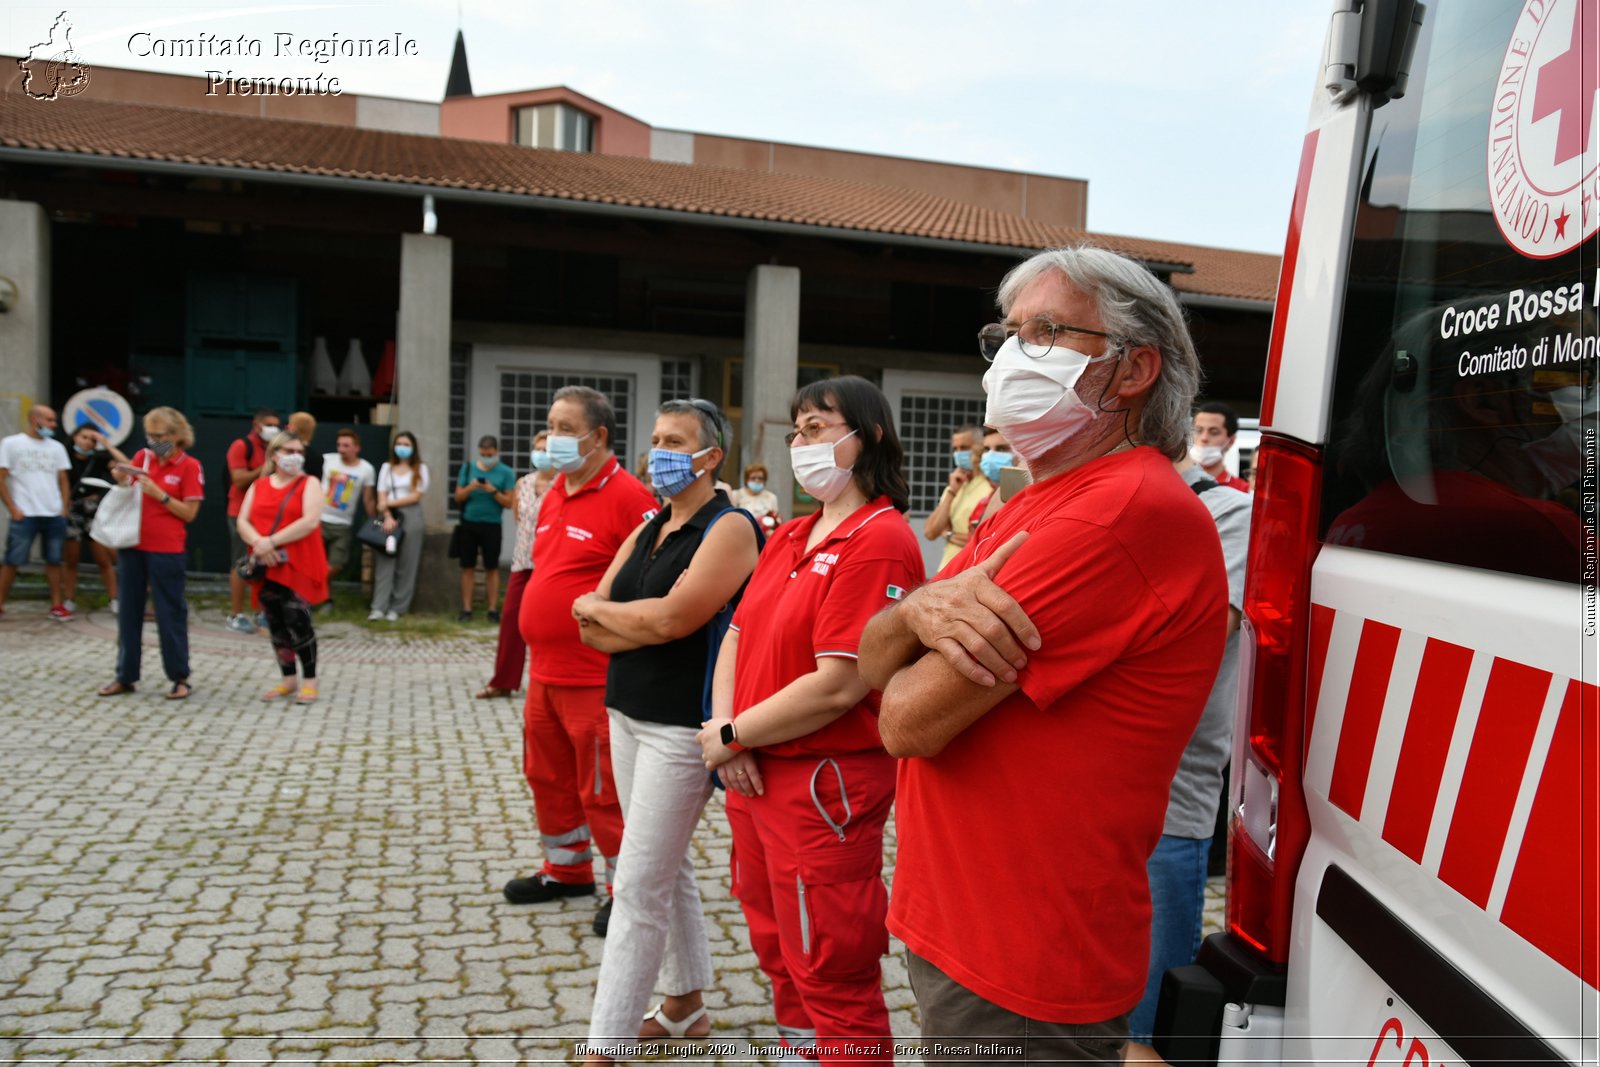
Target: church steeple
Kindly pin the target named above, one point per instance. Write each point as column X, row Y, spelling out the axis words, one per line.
column 460, row 81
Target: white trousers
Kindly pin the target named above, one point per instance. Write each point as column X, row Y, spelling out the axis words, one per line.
column 657, row 927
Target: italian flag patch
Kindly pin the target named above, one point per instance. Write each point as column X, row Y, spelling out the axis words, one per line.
column 894, row 592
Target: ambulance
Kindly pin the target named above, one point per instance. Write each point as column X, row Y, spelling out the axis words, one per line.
column 1414, row 837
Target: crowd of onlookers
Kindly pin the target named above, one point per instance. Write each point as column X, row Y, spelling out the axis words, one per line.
column 1052, row 712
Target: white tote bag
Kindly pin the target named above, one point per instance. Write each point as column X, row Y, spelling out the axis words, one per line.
column 116, row 520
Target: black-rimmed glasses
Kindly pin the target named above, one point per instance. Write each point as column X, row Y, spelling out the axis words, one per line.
column 1036, row 336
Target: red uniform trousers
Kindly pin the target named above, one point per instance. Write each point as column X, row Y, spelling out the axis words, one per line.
column 566, row 757
column 511, row 654
column 814, row 898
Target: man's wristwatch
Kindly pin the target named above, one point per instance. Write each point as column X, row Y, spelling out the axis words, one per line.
column 167, row 499
column 730, row 738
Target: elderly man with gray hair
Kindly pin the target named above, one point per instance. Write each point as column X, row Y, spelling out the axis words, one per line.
column 1042, row 688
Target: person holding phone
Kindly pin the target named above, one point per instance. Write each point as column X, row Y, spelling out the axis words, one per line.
column 484, row 489
column 401, row 483
column 281, row 511
column 92, row 458
column 173, row 487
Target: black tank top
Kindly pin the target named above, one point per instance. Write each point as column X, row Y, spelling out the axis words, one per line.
column 662, row 683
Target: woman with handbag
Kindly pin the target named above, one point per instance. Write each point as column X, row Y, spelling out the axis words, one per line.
column 153, row 548
column 287, row 566
column 401, row 483
column 654, row 613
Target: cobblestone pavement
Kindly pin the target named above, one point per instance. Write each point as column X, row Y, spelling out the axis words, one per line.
column 222, row 879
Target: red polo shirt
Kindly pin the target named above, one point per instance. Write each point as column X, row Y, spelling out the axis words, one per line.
column 1123, row 575
column 578, row 534
column 803, row 604
column 180, row 475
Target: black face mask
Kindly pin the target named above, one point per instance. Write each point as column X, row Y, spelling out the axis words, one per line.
column 162, row 449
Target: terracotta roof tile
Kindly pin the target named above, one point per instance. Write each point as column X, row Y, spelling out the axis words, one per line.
column 104, row 128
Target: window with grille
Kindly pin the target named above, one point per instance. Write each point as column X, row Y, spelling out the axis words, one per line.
column 525, row 398
column 677, row 379
column 456, row 446
column 926, row 423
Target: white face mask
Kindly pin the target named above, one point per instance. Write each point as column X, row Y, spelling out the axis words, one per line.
column 816, row 472
column 1205, row 455
column 291, row 462
column 268, row 432
column 1032, row 401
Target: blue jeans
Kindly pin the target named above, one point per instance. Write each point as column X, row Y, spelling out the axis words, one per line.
column 1177, row 870
column 51, row 529
column 163, row 572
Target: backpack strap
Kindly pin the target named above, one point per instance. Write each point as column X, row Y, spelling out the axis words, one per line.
column 717, row 628
column 1203, row 486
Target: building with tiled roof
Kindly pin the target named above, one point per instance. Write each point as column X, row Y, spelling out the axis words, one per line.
column 193, row 249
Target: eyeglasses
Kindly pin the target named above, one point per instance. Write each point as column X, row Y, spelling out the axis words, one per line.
column 1037, row 336
column 811, row 431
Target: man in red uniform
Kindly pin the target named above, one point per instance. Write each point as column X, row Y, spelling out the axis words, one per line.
column 1078, row 635
column 1216, row 427
column 566, row 748
column 247, row 456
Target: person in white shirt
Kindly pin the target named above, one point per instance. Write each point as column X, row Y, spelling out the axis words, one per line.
column 36, row 494
column 757, row 499
column 401, row 483
column 347, row 480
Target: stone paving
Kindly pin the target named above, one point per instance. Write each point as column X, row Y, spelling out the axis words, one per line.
column 226, row 880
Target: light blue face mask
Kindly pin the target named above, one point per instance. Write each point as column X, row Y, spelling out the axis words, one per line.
column 963, row 458
column 403, row 451
column 673, row 472
column 564, row 454
column 541, row 459
column 992, row 462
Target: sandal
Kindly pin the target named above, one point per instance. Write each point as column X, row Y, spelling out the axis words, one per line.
column 179, row 691
column 489, row 692
column 308, row 694
column 115, row 689
column 678, row 1030
column 282, row 689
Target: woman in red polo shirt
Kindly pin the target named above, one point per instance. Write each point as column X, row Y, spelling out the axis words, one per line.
column 173, row 487
column 794, row 729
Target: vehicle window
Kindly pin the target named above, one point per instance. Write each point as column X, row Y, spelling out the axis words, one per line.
column 1464, row 402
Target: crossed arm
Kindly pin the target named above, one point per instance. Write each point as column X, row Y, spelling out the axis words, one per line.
column 982, row 637
column 719, row 567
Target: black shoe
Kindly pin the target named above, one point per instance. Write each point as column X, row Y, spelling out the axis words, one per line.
column 494, row 616
column 465, row 616
column 602, row 918
column 541, row 887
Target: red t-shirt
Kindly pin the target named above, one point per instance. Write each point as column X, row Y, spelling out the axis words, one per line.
column 159, row 529
column 1229, row 479
column 803, row 604
column 247, row 453
column 575, row 541
column 1123, row 575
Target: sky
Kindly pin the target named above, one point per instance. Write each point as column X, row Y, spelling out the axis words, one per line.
column 1186, row 119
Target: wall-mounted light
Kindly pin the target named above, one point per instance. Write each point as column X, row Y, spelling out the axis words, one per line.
column 8, row 294
column 430, row 221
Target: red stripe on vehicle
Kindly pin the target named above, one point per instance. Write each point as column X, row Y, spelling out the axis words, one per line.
column 1363, row 708
column 1553, row 900
column 1321, row 632
column 1291, row 254
column 1512, row 701
column 1441, row 678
